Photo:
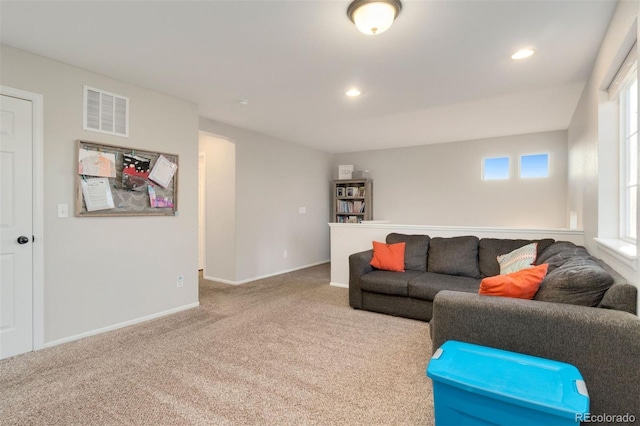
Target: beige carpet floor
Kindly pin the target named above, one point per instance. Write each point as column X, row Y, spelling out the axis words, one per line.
column 286, row 350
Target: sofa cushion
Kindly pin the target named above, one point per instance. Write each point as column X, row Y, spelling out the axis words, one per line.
column 560, row 252
column 454, row 256
column 578, row 281
column 522, row 284
column 389, row 257
column 415, row 252
column 621, row 297
column 490, row 248
column 426, row 286
column 387, row 282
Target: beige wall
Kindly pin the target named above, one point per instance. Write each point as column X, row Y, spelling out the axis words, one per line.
column 274, row 178
column 591, row 190
column 441, row 184
column 583, row 130
column 93, row 277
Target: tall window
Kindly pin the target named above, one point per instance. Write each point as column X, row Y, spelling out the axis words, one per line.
column 629, row 157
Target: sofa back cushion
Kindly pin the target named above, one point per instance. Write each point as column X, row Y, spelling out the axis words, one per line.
column 490, row 248
column 415, row 252
column 574, row 277
column 454, row 256
column 621, row 295
column 559, row 253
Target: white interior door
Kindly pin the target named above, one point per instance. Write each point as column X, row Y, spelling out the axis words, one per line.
column 16, row 226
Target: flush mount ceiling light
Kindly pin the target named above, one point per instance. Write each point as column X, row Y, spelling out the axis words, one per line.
column 373, row 16
column 353, row 92
column 522, row 53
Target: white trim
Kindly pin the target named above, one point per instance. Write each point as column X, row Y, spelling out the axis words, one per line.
column 223, row 281
column 37, row 101
column 621, row 250
column 470, row 229
column 120, row 325
column 338, row 285
column 202, row 210
column 624, row 73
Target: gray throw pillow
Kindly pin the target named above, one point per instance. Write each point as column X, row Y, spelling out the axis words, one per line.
column 578, row 281
column 454, row 256
column 415, row 251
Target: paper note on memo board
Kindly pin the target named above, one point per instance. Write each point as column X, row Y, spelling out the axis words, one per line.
column 96, row 163
column 97, row 194
column 163, row 171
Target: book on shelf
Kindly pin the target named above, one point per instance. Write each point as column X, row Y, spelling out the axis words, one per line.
column 348, row 219
column 348, row 206
column 354, row 191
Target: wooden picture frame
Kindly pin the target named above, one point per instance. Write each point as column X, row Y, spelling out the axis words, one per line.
column 130, row 197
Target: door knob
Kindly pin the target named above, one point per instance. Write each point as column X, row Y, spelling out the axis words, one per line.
column 22, row 239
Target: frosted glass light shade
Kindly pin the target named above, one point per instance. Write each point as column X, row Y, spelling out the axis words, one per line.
column 373, row 17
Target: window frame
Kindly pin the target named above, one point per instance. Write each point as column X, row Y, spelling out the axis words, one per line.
column 628, row 157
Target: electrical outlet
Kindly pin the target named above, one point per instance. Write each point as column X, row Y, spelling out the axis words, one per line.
column 180, row 281
column 285, row 254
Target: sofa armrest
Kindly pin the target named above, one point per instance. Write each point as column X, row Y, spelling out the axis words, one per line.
column 602, row 343
column 359, row 264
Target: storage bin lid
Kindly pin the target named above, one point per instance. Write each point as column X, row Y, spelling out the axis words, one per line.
column 540, row 384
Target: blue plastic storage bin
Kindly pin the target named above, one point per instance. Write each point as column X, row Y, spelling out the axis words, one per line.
column 476, row 385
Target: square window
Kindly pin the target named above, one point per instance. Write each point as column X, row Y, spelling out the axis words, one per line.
column 495, row 168
column 534, row 166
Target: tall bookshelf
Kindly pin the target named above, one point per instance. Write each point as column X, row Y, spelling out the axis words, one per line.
column 352, row 200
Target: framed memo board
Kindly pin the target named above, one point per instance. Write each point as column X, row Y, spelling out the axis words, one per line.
column 121, row 181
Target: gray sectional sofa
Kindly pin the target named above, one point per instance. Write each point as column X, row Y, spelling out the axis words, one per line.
column 459, row 264
column 584, row 312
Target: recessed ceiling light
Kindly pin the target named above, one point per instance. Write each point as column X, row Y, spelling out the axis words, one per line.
column 243, row 102
column 353, row 92
column 522, row 53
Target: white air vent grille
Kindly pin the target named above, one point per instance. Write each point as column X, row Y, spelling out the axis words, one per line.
column 106, row 112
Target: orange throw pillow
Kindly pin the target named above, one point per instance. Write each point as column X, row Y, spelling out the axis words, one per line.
column 522, row 284
column 389, row 257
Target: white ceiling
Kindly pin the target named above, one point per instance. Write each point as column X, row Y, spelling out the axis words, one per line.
column 441, row 73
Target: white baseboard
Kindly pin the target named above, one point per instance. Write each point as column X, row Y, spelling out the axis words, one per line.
column 223, row 281
column 120, row 325
column 339, row 285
